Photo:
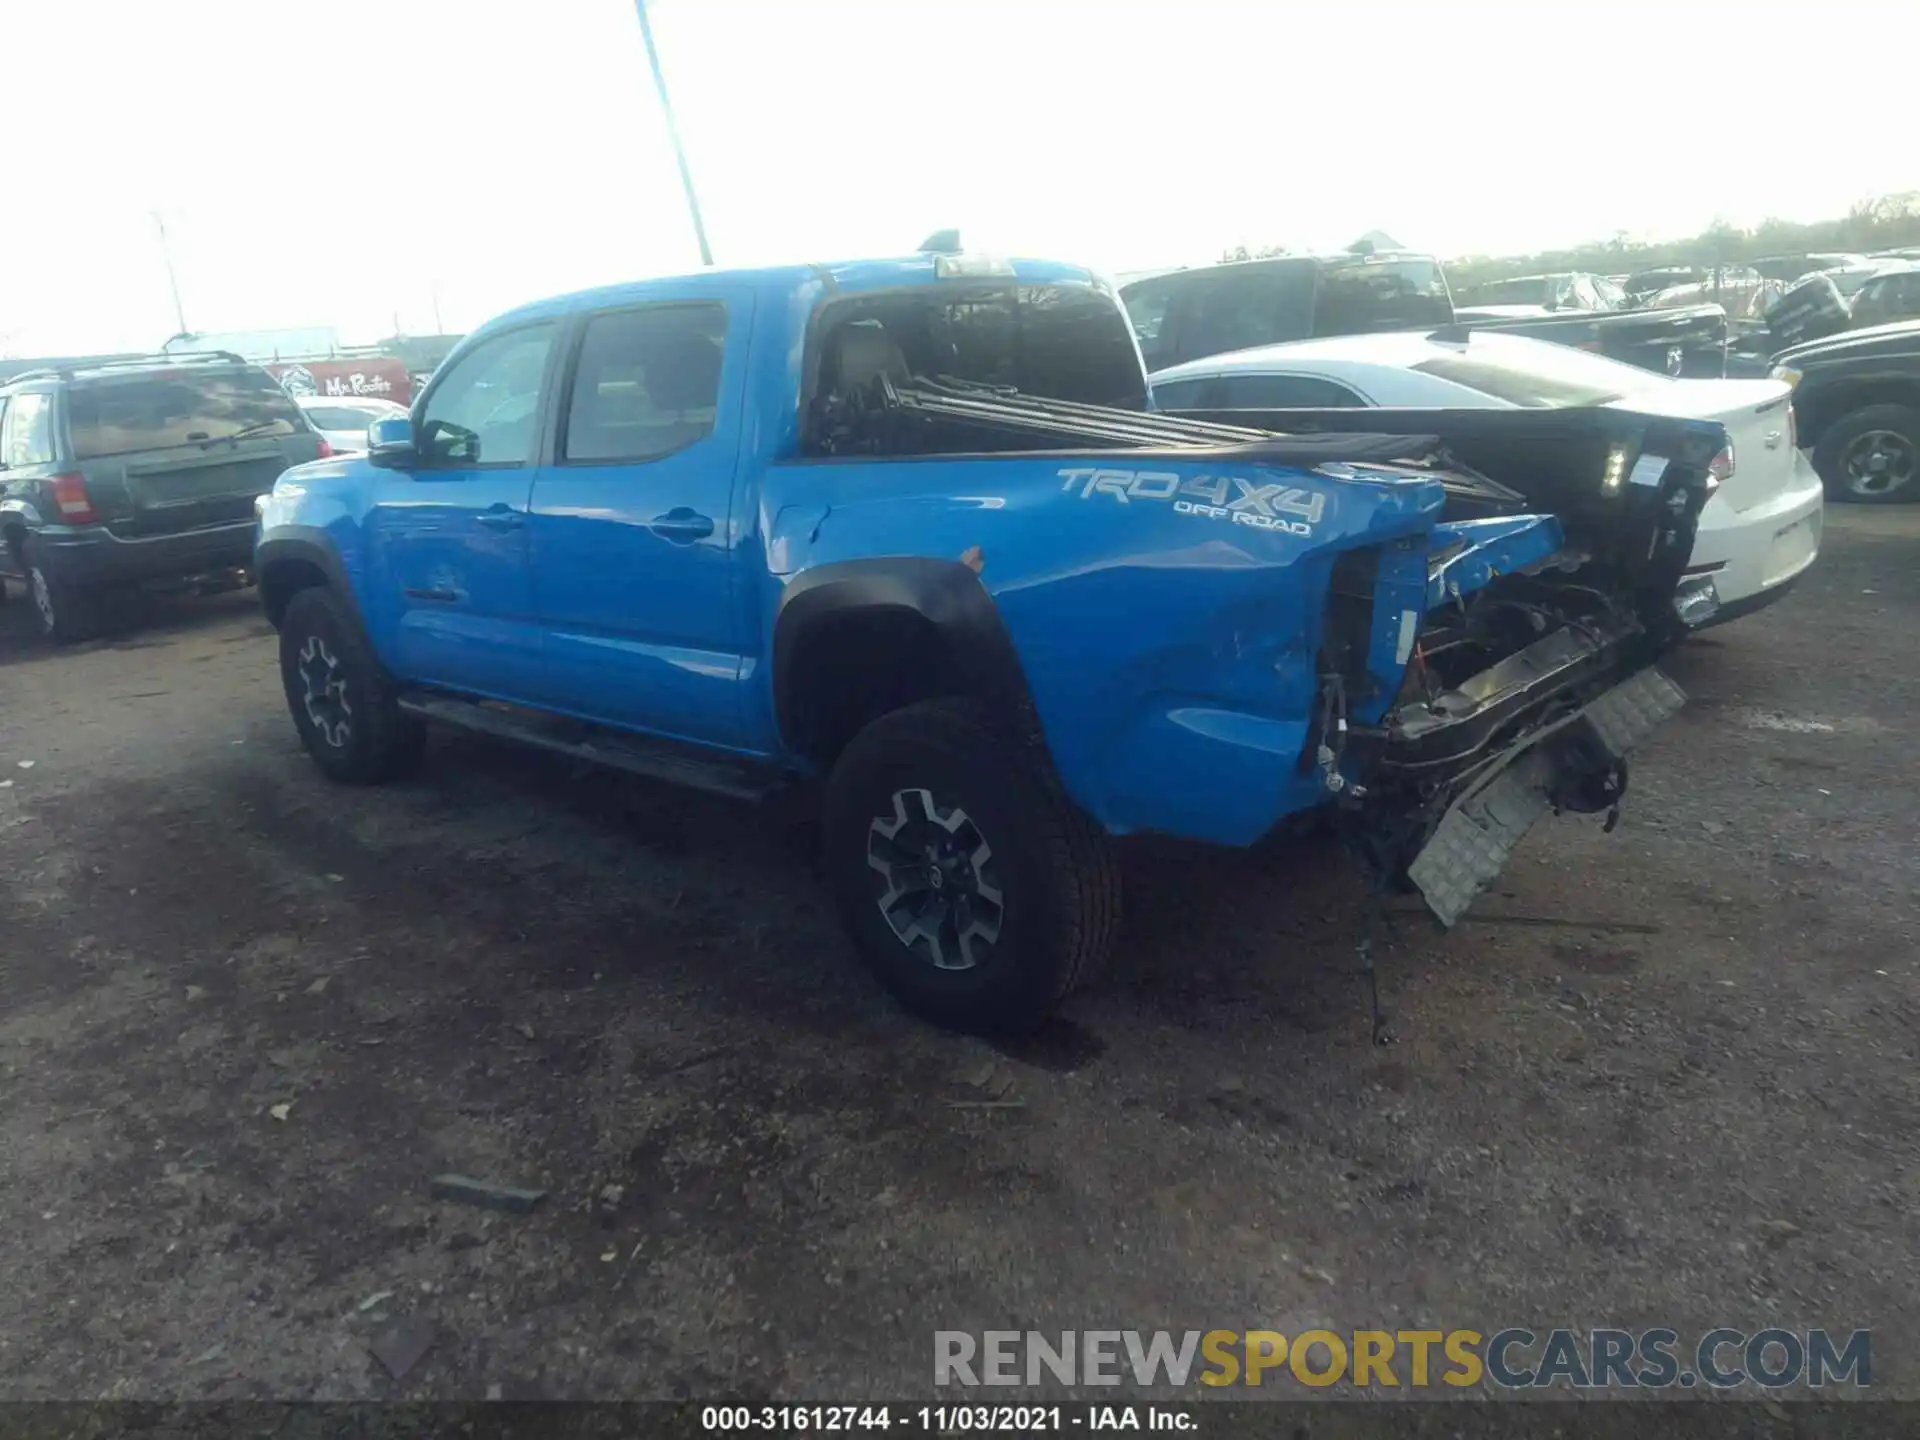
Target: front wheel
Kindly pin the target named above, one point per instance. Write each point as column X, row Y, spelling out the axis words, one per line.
column 342, row 702
column 971, row 884
column 1872, row 456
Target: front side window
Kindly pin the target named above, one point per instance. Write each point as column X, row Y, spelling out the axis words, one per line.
column 483, row 412
column 26, row 437
column 126, row 414
column 647, row 383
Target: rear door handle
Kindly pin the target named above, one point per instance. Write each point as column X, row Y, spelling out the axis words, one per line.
column 501, row 517
column 681, row 525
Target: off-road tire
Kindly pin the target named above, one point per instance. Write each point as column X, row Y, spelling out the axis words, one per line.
column 1831, row 455
column 368, row 739
column 1057, row 877
column 63, row 613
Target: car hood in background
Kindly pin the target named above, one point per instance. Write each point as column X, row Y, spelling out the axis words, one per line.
column 1900, row 338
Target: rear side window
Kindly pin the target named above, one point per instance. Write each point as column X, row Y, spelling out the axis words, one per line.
column 1366, row 298
column 647, row 383
column 1064, row 342
column 26, row 435
column 1185, row 394
column 158, row 412
column 1284, row 392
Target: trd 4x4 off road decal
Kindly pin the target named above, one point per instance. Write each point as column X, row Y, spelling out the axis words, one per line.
column 1218, row 497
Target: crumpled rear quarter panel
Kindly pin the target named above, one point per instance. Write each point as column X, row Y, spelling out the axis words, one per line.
column 1168, row 643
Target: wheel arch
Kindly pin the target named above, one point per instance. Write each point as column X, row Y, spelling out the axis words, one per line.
column 1820, row 410
column 288, row 563
column 18, row 519
column 858, row 639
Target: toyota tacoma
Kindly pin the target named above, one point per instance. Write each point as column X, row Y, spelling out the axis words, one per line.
column 910, row 529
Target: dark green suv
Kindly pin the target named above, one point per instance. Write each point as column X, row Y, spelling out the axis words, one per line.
column 124, row 473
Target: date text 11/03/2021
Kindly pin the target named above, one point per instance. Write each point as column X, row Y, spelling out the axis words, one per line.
column 945, row 1419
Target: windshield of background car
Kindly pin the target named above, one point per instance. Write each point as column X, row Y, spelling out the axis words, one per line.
column 1648, row 281
column 124, row 414
column 343, row 417
column 1536, row 375
column 1365, row 297
column 1532, row 291
column 1063, row 342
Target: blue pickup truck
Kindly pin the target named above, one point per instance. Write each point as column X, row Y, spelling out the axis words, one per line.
column 909, row 530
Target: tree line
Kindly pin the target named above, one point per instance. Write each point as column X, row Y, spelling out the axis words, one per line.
column 1886, row 222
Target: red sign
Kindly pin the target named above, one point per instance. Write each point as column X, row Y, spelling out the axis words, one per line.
column 375, row 377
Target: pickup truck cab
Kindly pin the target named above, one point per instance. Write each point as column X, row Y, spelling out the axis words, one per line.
column 907, row 531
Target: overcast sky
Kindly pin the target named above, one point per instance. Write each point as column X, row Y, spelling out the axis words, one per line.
column 345, row 163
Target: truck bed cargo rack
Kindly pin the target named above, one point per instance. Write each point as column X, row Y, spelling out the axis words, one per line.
column 1079, row 425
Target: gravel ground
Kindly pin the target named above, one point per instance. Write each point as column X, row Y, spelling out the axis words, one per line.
column 1663, row 1077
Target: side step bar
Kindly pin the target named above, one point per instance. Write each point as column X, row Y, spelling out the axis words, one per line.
column 656, row 760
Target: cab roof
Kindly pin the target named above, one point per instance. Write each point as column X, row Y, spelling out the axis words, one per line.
column 846, row 277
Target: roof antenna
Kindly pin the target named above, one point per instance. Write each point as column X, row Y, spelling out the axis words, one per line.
column 941, row 242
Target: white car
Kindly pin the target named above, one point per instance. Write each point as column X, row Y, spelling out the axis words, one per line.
column 1760, row 529
column 343, row 419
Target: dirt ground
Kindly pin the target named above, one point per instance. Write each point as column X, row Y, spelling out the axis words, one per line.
column 245, row 1016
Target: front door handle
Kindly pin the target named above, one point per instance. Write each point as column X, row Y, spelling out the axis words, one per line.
column 501, row 517
column 681, row 525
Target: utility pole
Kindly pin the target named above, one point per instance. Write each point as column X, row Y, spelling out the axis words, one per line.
column 173, row 281
column 673, row 132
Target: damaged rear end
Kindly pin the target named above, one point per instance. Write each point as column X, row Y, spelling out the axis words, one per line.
column 1505, row 668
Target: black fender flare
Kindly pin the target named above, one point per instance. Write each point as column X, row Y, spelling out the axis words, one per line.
column 978, row 653
column 303, row 545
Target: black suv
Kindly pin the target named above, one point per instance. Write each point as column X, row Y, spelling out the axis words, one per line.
column 120, row 473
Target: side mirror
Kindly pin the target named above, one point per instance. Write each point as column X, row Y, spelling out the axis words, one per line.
column 390, row 443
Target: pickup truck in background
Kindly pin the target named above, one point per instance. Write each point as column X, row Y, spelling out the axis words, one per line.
column 909, row 531
column 1827, row 302
column 1564, row 290
column 1190, row 314
column 1856, row 399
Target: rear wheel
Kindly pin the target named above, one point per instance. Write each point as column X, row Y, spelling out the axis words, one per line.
column 63, row 612
column 973, row 887
column 1872, row 456
column 343, row 703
